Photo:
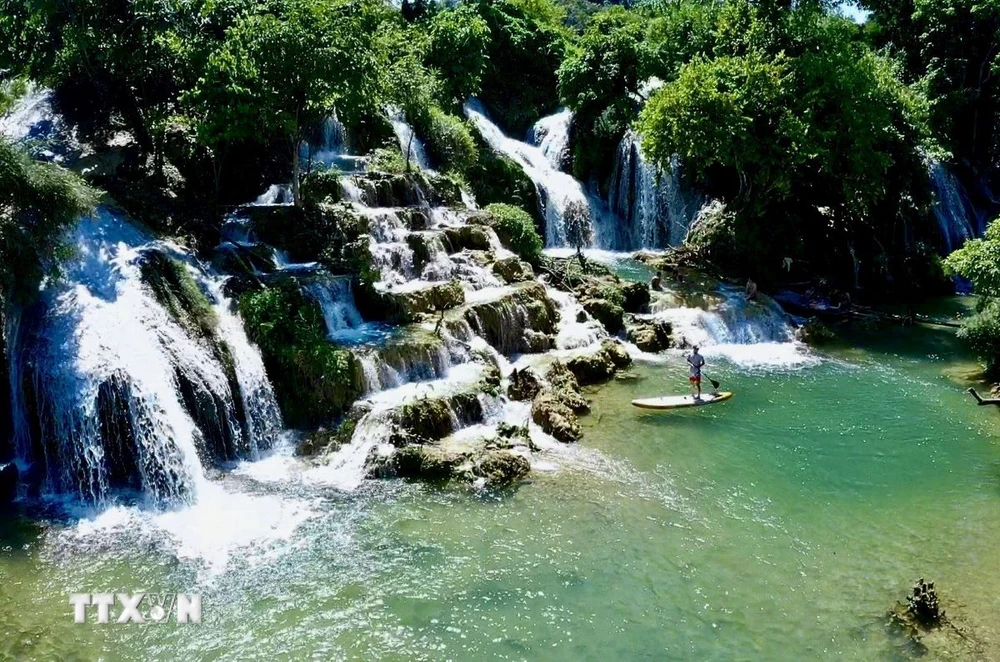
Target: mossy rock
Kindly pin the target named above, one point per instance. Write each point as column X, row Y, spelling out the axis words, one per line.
column 513, row 270
column 520, row 321
column 595, row 368
column 815, row 332
column 524, row 384
column 407, row 306
column 636, row 297
column 563, row 383
column 500, row 468
column 330, row 440
column 471, row 237
column 650, row 335
column 175, row 289
column 426, row 463
column 617, row 354
column 555, row 418
column 432, row 419
column 609, row 314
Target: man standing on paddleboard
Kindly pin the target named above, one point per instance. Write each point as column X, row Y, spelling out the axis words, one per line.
column 697, row 361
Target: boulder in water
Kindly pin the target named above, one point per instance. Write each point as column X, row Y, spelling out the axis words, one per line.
column 408, row 305
column 519, row 321
column 608, row 313
column 8, row 483
column 513, row 270
column 600, row 366
column 814, row 332
column 636, row 297
column 555, row 418
column 468, row 237
column 499, row 468
column 426, row 462
column 563, row 384
column 524, row 384
column 618, row 355
column 649, row 335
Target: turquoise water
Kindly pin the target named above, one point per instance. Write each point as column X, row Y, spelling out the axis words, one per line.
column 782, row 524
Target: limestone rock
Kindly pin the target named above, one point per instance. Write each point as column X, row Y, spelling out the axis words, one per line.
column 425, row 462
column 563, row 384
column 595, row 368
column 636, row 297
column 471, row 237
column 555, row 418
column 524, row 384
column 499, row 468
column 513, row 270
column 505, row 323
column 650, row 335
column 618, row 355
column 608, row 313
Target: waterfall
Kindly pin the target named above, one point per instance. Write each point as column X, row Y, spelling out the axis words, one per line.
column 555, row 189
column 551, row 135
column 276, row 194
column 956, row 216
column 408, row 140
column 655, row 208
column 344, row 324
column 117, row 393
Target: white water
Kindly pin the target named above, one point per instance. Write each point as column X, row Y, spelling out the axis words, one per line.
column 555, row 189
column 276, row 194
column 551, row 135
column 409, row 144
column 655, row 208
column 957, row 218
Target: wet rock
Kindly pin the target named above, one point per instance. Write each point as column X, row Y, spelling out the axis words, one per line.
column 431, row 419
column 636, row 297
column 426, row 463
column 650, row 335
column 555, row 418
column 595, row 368
column 564, row 385
column 330, row 440
column 8, row 483
column 609, row 314
column 408, row 306
column 618, row 355
column 582, row 317
column 814, row 332
column 512, row 436
column 424, row 246
column 416, row 218
column 513, row 270
column 471, row 237
column 524, row 384
column 505, row 322
column 499, row 468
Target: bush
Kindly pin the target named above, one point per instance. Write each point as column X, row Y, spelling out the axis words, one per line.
column 495, row 178
column 982, row 333
column 516, row 230
column 322, row 186
column 449, row 141
column 387, row 159
column 314, row 380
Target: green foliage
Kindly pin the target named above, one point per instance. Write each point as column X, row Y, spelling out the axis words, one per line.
column 315, row 381
column 322, row 185
column 979, row 261
column 459, row 39
column 387, row 159
column 526, row 47
column 516, row 230
column 10, row 92
column 449, row 141
column 176, row 290
column 38, row 201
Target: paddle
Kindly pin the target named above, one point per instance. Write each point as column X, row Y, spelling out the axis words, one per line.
column 715, row 384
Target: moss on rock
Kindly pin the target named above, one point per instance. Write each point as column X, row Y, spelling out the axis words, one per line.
column 176, row 290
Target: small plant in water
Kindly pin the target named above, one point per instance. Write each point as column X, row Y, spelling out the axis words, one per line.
column 579, row 228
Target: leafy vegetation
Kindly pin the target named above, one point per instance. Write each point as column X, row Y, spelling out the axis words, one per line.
column 516, row 230
column 38, row 201
column 315, row 381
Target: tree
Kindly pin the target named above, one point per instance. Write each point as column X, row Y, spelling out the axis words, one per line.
column 38, row 201
column 579, row 227
column 979, row 261
column 286, row 72
column 459, row 39
column 410, row 86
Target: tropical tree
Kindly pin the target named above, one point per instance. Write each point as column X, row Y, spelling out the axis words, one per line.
column 459, row 39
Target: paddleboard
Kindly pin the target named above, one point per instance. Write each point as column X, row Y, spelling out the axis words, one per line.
column 680, row 401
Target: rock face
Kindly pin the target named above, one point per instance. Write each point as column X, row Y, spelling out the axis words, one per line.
column 8, row 483
column 650, row 335
column 407, row 305
column 521, row 321
column 491, row 468
column 432, row 419
column 524, row 384
column 471, row 237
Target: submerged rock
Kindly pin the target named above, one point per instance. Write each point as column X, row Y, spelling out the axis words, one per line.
column 499, row 468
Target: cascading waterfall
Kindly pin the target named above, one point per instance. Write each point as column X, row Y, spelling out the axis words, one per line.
column 555, row 189
column 409, row 144
column 551, row 135
column 957, row 218
column 655, row 209
column 117, row 393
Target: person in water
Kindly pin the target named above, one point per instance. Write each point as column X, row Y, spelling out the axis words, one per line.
column 751, row 290
column 656, row 283
column 697, row 361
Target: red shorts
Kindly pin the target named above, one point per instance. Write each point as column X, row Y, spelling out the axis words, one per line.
column 695, row 380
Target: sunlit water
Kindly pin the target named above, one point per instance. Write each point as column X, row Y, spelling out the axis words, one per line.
column 780, row 525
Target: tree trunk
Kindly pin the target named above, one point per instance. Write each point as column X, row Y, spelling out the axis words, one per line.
column 409, row 147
